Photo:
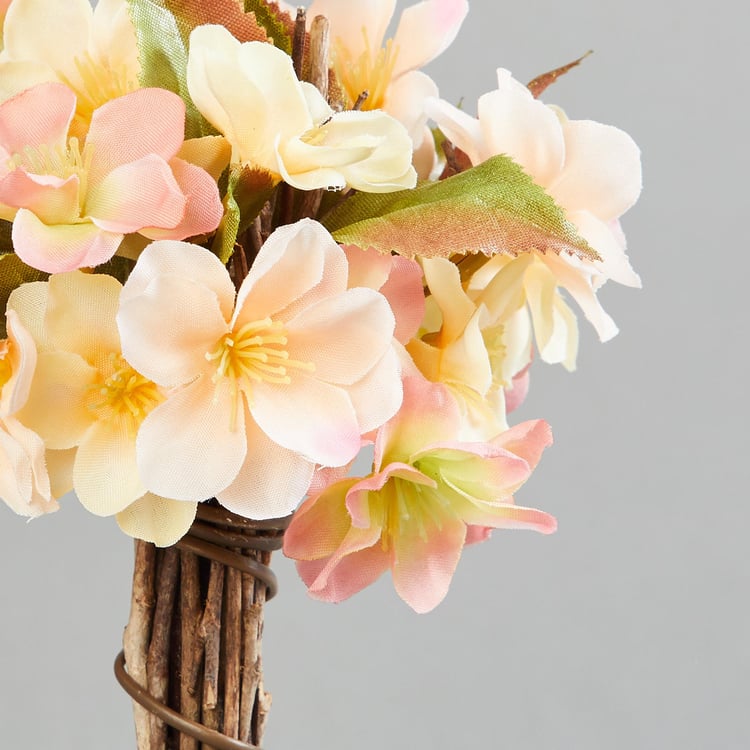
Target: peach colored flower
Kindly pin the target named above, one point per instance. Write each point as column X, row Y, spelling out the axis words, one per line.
column 93, row 51
column 24, row 481
column 250, row 93
column 428, row 495
column 72, row 202
column 288, row 375
column 591, row 170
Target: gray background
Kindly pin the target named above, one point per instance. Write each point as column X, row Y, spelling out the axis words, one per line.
column 628, row 628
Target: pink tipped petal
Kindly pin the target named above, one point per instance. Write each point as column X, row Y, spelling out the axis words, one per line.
column 146, row 122
column 139, row 194
column 477, row 534
column 345, row 335
column 158, row 520
column 404, row 293
column 516, row 124
column 52, row 199
column 15, row 392
column 426, row 558
column 320, row 524
column 367, row 267
column 529, row 519
column 175, row 353
column 61, row 247
column 203, row 209
column 308, row 416
column 271, row 482
column 38, row 116
column 105, row 474
column 526, row 440
column 352, row 574
column 516, row 394
column 602, row 172
column 427, row 29
column 192, row 446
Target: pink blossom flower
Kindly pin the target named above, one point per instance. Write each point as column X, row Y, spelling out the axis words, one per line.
column 428, row 495
column 288, row 375
column 72, row 202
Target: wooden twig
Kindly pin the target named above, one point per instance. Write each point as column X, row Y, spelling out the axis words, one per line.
column 157, row 661
column 232, row 651
column 298, row 42
column 138, row 632
column 210, row 632
column 263, row 699
column 191, row 646
column 320, row 43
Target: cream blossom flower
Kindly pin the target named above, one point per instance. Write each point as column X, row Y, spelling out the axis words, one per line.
column 388, row 70
column 93, row 51
column 591, row 170
column 463, row 346
column 24, row 481
column 427, row 496
column 274, row 122
column 72, row 201
column 264, row 384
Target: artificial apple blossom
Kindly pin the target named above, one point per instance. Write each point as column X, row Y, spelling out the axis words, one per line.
column 263, row 386
column 276, row 123
column 463, row 346
column 93, row 51
column 591, row 170
column 428, row 492
column 24, row 481
column 73, row 201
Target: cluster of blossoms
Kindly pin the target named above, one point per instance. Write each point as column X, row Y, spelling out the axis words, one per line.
column 229, row 260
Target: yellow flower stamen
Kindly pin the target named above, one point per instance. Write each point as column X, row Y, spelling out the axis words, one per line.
column 98, row 82
column 57, row 161
column 124, row 394
column 254, row 353
column 370, row 73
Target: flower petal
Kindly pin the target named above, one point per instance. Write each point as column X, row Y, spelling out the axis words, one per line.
column 192, row 445
column 425, row 30
column 105, row 473
column 356, row 27
column 272, row 480
column 138, row 194
column 145, row 122
column 425, row 558
column 158, row 520
column 61, row 247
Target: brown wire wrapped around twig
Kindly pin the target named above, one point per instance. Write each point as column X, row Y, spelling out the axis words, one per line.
column 228, row 541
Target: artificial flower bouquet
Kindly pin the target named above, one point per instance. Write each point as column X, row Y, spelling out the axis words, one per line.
column 239, row 242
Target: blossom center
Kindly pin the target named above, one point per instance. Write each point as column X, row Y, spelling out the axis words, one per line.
column 255, row 353
column 407, row 503
column 124, row 394
column 59, row 160
column 369, row 72
column 98, row 82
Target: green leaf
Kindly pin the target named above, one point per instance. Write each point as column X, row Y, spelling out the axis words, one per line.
column 492, row 208
column 163, row 57
column 117, row 266
column 248, row 189
column 13, row 273
column 278, row 24
column 6, row 241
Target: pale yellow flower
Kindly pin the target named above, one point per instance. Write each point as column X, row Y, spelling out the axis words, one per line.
column 274, row 122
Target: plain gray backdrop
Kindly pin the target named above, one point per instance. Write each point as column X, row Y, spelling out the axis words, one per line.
column 629, row 627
